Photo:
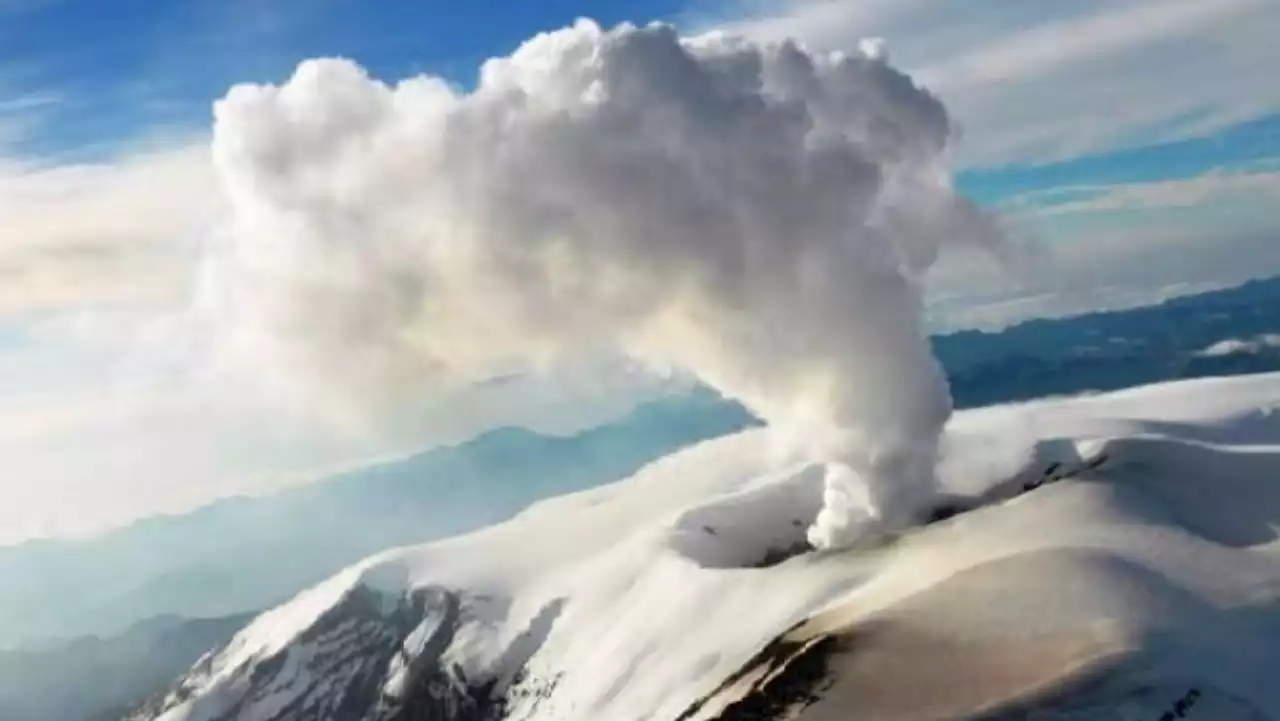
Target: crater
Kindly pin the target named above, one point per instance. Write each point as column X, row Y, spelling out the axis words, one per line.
column 767, row 524
column 754, row 528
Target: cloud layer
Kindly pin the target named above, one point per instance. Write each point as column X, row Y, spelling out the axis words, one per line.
column 755, row 215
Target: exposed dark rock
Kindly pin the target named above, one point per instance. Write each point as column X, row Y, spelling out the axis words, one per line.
column 791, row 675
column 777, row 554
column 356, row 642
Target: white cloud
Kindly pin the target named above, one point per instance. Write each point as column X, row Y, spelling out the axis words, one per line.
column 1039, row 81
column 1108, row 247
column 26, row 103
column 87, row 235
column 754, row 215
column 999, row 310
column 1251, row 346
column 1051, row 46
column 112, row 417
column 1219, row 186
column 21, row 111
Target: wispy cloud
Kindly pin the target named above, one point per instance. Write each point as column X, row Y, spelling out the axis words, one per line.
column 1051, row 46
column 1104, row 246
column 82, row 235
column 26, row 103
column 1031, row 82
column 1214, row 187
column 92, row 413
column 21, row 108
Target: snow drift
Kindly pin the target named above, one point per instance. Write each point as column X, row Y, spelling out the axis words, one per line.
column 756, row 215
column 1142, row 582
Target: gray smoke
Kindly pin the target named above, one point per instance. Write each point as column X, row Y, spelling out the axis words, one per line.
column 756, row 215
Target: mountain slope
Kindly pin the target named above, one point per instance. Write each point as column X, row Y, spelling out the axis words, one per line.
column 1147, row 570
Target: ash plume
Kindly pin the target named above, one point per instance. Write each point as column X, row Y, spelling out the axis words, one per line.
column 756, row 215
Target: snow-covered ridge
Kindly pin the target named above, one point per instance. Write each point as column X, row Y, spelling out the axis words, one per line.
column 1149, row 571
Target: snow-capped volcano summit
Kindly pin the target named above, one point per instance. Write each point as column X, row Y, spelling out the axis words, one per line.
column 1102, row 557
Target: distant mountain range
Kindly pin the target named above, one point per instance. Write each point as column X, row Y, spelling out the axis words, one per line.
column 1118, row 349
column 95, row 679
column 241, row 553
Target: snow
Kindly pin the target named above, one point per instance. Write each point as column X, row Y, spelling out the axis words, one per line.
column 633, row 601
column 1235, row 346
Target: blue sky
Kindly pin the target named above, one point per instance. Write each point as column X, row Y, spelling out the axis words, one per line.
column 1134, row 145
column 1248, row 145
column 104, row 73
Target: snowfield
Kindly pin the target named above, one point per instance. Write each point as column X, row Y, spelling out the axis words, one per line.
column 1103, row 557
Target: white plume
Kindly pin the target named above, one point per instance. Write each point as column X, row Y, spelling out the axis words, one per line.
column 756, row 215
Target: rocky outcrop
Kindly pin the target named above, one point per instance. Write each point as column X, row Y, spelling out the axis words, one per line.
column 367, row 658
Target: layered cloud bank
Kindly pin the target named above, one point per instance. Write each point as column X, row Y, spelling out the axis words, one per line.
column 755, row 215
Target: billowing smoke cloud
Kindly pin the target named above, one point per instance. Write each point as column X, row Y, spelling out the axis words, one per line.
column 757, row 216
